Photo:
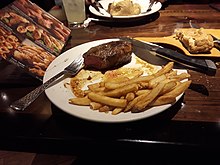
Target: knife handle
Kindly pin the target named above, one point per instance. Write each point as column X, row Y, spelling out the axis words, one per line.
column 200, row 64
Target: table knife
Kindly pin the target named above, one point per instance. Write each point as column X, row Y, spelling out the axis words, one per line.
column 204, row 65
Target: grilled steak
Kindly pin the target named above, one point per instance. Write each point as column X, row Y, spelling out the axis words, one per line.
column 108, row 55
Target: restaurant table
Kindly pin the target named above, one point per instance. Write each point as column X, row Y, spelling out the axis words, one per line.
column 188, row 129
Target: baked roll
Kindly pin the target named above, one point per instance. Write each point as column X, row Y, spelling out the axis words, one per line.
column 195, row 40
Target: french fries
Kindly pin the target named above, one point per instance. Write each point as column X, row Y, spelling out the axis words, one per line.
column 95, row 105
column 121, row 91
column 113, row 85
column 80, row 101
column 117, row 111
column 107, row 100
column 136, row 94
column 161, row 100
column 140, row 105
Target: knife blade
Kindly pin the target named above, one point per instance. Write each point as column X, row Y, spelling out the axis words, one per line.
column 203, row 65
column 95, row 6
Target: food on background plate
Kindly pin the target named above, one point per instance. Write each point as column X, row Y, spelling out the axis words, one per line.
column 124, row 8
column 108, row 55
column 195, row 40
column 130, row 93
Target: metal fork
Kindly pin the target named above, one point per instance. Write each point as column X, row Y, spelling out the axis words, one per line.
column 25, row 101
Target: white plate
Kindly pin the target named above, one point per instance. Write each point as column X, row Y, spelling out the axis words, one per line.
column 143, row 3
column 59, row 95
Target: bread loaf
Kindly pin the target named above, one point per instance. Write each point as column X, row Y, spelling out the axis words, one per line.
column 195, row 40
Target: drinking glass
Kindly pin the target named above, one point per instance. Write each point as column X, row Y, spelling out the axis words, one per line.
column 75, row 12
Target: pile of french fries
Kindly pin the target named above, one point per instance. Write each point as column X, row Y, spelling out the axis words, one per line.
column 123, row 94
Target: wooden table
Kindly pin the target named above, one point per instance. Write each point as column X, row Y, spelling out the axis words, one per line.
column 189, row 128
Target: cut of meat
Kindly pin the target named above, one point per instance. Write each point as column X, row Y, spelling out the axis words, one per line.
column 108, row 55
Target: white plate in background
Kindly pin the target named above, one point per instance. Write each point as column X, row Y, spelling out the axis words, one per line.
column 143, row 3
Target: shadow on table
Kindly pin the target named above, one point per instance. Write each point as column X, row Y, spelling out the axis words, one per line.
column 67, row 120
column 154, row 140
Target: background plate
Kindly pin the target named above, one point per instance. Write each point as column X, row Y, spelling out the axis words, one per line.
column 143, row 3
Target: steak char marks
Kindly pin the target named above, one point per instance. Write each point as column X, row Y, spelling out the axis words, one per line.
column 108, row 55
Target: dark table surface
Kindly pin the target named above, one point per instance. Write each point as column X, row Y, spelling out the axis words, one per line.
column 188, row 127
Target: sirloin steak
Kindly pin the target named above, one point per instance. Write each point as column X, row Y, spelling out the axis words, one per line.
column 108, row 55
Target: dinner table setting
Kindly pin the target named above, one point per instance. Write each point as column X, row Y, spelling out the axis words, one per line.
column 89, row 101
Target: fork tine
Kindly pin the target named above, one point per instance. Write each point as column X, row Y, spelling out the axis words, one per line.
column 75, row 66
column 76, row 61
column 80, row 61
